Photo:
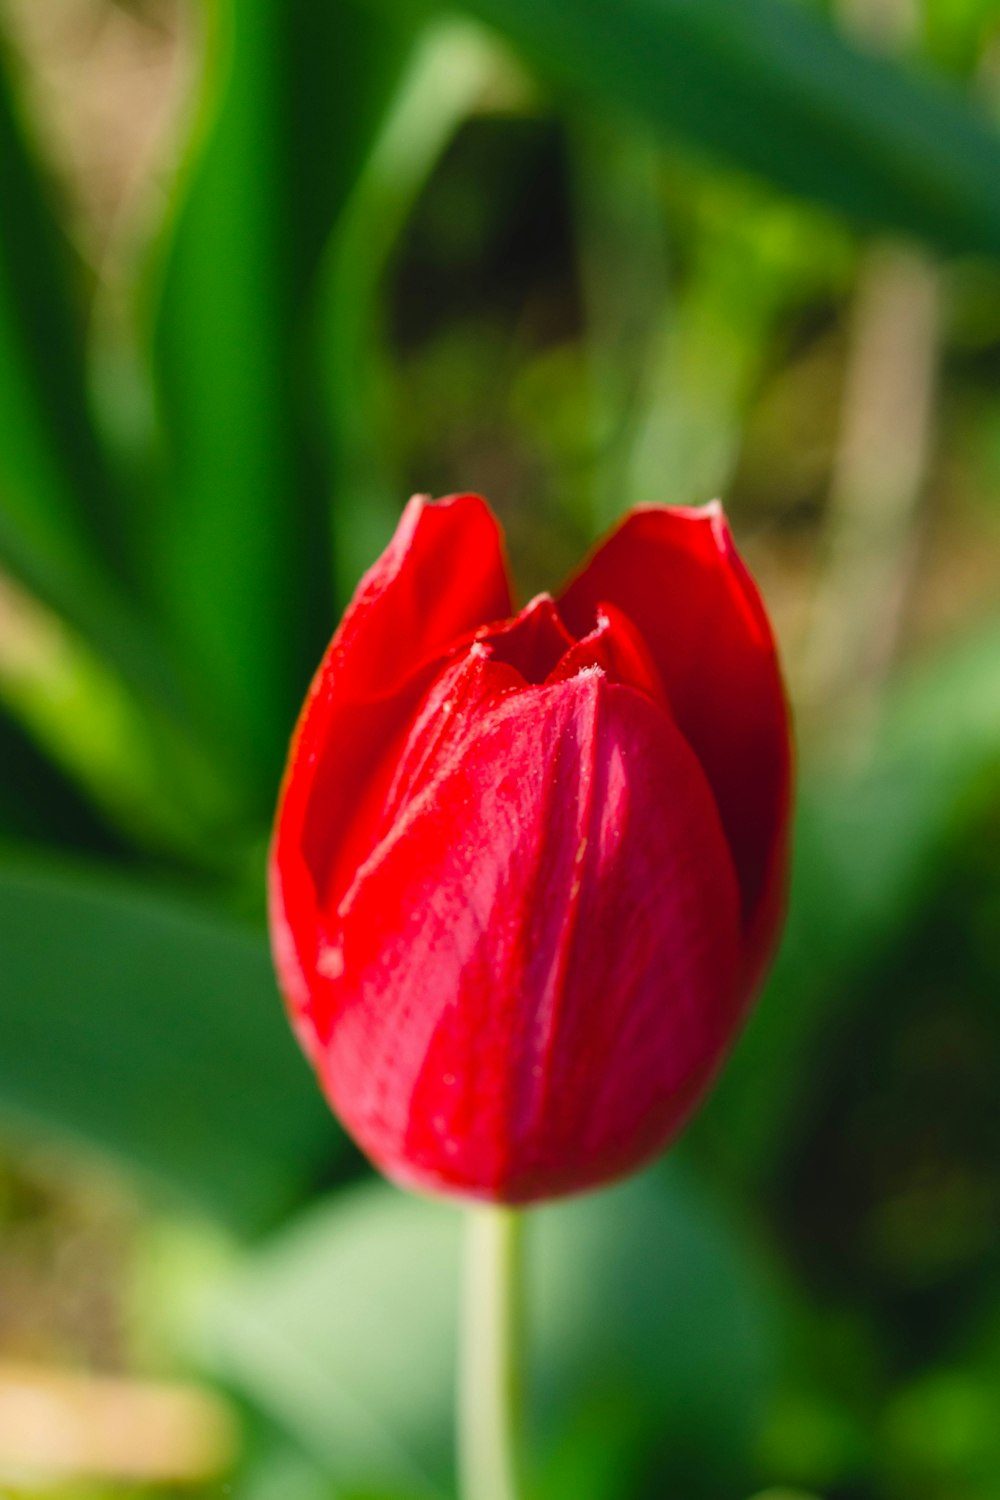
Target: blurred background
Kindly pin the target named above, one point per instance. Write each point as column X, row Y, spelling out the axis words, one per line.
column 266, row 268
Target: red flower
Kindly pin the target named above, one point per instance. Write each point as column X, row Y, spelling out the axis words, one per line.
column 527, row 871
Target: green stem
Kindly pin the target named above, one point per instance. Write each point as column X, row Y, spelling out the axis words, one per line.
column 490, row 1357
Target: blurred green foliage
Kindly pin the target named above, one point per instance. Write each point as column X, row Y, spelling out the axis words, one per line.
column 590, row 252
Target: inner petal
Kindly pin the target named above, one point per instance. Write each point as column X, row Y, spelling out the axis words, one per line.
column 533, row 642
column 617, row 648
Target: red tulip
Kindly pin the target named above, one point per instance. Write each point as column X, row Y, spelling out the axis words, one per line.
column 527, row 871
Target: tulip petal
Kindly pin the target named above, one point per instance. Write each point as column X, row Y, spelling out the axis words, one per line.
column 538, row 967
column 677, row 575
column 534, row 642
column 443, row 724
column 441, row 578
column 618, row 649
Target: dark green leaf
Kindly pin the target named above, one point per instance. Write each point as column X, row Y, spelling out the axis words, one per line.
column 769, row 86
column 294, row 93
column 60, row 529
column 155, row 1032
column 59, row 520
column 62, row 515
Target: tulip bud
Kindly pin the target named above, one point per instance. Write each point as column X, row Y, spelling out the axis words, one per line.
column 527, row 869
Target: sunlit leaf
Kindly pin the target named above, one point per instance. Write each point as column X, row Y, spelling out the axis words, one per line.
column 40, row 805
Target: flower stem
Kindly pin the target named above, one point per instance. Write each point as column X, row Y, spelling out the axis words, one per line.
column 490, row 1356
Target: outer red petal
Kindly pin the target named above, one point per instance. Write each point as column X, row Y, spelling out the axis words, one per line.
column 538, row 966
column 677, row 575
column 441, row 577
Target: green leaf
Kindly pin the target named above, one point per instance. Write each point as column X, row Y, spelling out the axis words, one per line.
column 40, row 805
column 294, row 94
column 770, row 87
column 59, row 525
column 62, row 513
column 283, row 1472
column 957, row 33
column 453, row 64
column 154, row 1031
column 783, row 1494
column 343, row 1329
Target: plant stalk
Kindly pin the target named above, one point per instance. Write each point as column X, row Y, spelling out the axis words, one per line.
column 490, row 1356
